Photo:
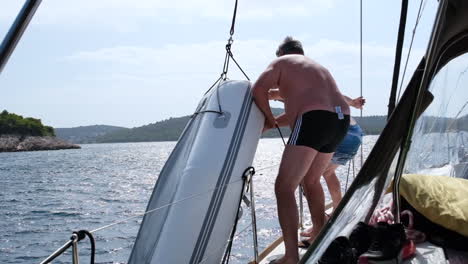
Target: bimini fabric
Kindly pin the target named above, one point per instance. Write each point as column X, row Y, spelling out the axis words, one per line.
column 198, row 191
column 441, row 199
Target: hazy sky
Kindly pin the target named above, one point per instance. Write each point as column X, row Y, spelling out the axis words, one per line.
column 130, row 63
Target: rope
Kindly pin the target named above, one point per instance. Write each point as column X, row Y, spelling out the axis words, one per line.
column 167, row 205
column 220, row 110
column 161, row 207
column 229, row 54
column 281, row 134
column 246, row 180
column 420, row 12
column 233, row 19
column 238, row 66
column 211, row 87
column 264, row 168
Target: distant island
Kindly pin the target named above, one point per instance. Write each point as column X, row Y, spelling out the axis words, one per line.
column 27, row 134
column 170, row 130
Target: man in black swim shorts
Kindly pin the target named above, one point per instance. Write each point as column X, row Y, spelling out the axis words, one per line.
column 318, row 115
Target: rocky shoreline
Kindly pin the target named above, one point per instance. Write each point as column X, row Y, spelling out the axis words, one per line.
column 14, row 143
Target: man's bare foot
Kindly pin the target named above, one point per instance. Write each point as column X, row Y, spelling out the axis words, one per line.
column 309, row 231
column 311, row 237
column 306, row 233
column 285, row 260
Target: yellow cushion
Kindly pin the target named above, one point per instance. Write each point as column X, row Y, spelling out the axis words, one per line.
column 441, row 199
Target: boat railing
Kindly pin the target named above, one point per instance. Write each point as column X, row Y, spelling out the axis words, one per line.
column 73, row 243
column 247, row 178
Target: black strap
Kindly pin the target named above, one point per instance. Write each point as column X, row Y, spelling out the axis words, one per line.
column 248, row 173
column 281, row 134
column 85, row 233
column 233, row 19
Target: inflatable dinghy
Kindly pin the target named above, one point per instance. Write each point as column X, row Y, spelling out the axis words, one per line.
column 195, row 201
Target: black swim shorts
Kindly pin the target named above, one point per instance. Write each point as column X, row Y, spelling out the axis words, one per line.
column 320, row 130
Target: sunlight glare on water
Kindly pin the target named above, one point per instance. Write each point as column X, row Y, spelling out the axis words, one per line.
column 47, row 195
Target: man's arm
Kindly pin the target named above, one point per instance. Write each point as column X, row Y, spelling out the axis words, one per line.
column 267, row 80
column 356, row 102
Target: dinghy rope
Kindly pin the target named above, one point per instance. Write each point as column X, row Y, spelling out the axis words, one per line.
column 247, row 186
column 229, row 55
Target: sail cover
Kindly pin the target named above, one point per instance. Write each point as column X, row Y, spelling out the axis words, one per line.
column 194, row 204
column 442, row 128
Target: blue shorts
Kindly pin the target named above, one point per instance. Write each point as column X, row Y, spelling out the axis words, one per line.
column 348, row 148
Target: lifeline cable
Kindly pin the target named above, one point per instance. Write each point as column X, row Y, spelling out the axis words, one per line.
column 360, row 64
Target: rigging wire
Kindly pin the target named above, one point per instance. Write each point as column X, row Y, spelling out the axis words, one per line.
column 456, row 87
column 163, row 206
column 170, row 204
column 360, row 65
column 422, row 5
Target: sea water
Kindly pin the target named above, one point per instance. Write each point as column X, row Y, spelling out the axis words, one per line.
column 46, row 195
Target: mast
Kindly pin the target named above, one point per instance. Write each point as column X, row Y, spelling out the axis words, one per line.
column 16, row 31
column 399, row 48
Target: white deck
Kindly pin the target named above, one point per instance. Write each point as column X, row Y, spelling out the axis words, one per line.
column 278, row 252
column 425, row 253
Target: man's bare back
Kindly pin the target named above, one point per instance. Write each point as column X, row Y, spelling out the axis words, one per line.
column 303, row 84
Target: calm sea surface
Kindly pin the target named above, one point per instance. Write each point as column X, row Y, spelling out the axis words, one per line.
column 46, row 195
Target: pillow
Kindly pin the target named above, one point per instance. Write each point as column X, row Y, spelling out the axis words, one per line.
column 441, row 199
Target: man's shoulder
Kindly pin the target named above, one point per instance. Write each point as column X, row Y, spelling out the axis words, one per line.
column 296, row 58
column 286, row 60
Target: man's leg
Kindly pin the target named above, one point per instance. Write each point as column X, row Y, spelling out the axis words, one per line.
column 332, row 187
column 295, row 163
column 333, row 184
column 314, row 192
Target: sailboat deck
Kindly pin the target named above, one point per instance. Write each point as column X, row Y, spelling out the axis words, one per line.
column 425, row 253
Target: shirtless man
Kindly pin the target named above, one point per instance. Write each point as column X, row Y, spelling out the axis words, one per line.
column 318, row 116
column 344, row 152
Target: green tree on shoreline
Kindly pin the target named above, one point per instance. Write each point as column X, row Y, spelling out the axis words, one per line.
column 13, row 124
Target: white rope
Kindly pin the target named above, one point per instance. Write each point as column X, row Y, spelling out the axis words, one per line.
column 170, row 204
column 162, row 207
